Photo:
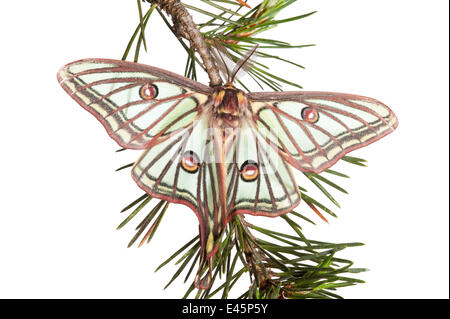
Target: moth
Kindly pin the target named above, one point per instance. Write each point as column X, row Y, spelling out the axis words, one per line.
column 218, row 150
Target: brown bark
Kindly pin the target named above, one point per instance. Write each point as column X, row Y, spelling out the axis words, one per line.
column 186, row 28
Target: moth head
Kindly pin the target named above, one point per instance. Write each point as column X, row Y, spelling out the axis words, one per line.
column 229, row 98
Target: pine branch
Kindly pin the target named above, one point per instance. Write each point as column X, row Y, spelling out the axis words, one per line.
column 187, row 29
column 281, row 265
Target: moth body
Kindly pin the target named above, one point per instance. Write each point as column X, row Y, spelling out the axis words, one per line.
column 229, row 105
column 221, row 151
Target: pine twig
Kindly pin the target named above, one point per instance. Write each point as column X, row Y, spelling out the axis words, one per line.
column 287, row 266
column 186, row 28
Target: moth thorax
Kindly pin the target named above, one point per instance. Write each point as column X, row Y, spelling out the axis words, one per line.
column 229, row 104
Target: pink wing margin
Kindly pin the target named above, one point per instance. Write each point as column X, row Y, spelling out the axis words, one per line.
column 345, row 123
column 83, row 79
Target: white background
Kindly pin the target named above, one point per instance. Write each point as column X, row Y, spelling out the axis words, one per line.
column 60, row 197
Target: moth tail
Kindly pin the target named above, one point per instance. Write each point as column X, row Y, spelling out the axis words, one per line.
column 203, row 279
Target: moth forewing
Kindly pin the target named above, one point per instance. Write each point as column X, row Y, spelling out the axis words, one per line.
column 319, row 128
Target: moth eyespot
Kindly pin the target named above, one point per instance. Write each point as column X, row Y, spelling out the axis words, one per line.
column 309, row 114
column 249, row 171
column 190, row 162
column 148, row 91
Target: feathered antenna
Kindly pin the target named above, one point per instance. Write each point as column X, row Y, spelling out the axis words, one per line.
column 225, row 63
column 223, row 59
column 245, row 63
